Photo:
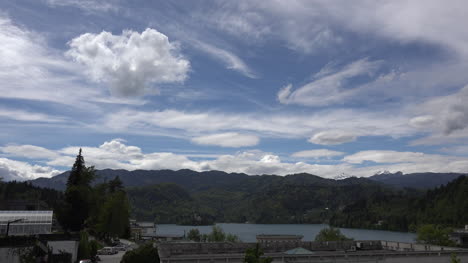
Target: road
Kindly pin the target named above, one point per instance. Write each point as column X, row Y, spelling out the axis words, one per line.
column 117, row 257
column 112, row 258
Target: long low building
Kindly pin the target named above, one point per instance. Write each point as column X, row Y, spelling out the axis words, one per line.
column 23, row 223
column 305, row 252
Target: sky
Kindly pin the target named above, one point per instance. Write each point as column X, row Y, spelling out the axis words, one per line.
column 332, row 88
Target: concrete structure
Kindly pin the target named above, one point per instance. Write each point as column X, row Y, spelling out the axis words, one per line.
column 168, row 238
column 20, row 223
column 142, row 230
column 347, row 251
column 54, row 247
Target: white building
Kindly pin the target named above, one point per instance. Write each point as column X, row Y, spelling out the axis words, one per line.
column 22, row 223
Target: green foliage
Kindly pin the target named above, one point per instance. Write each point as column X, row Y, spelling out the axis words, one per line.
column 114, row 216
column 26, row 191
column 94, row 246
column 194, row 235
column 435, row 235
column 146, row 253
column 217, row 235
column 232, row 238
column 404, row 210
column 29, row 254
column 454, row 258
column 330, row 234
column 254, row 255
column 84, row 247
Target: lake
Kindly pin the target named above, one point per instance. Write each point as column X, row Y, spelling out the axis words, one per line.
column 247, row 232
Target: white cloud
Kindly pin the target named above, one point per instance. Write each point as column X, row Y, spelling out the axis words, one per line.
column 115, row 154
column 386, row 157
column 284, row 93
column 30, row 70
column 407, row 162
column 308, row 26
column 131, row 62
column 319, row 153
column 332, row 137
column 28, row 151
column 328, row 89
column 86, row 5
column 231, row 60
column 228, row 139
column 21, row 115
column 429, row 21
column 446, row 117
column 422, row 121
column 16, row 170
column 295, row 23
column 341, row 125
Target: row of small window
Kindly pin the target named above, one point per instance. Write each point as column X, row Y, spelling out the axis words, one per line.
column 5, row 219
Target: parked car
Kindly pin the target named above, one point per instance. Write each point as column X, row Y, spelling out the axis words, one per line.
column 107, row 251
column 121, row 248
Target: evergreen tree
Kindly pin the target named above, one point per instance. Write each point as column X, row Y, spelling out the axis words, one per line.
column 78, row 196
column 84, row 248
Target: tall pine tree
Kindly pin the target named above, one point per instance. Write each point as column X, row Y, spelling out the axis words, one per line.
column 78, row 196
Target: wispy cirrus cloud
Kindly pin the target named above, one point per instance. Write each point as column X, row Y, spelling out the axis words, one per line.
column 281, row 125
column 228, row 139
column 329, row 88
column 87, row 5
column 318, row 153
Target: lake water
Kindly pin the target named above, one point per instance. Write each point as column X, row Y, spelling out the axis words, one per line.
column 247, row 232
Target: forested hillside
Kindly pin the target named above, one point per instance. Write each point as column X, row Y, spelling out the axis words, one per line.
column 446, row 205
column 415, row 180
column 26, row 191
column 188, row 197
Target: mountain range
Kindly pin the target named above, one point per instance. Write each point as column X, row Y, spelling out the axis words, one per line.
column 384, row 201
column 192, row 180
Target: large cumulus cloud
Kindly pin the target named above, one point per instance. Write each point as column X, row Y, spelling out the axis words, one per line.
column 129, row 63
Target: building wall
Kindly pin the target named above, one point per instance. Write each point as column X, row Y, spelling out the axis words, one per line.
column 7, row 255
column 401, row 246
column 68, row 246
column 176, row 249
column 33, row 222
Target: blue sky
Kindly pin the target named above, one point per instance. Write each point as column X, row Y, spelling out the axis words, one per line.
column 261, row 87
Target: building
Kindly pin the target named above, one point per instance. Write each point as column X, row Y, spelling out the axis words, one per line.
column 142, row 230
column 268, row 239
column 460, row 236
column 376, row 251
column 23, row 223
column 52, row 248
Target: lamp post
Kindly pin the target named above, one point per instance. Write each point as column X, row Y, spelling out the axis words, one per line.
column 12, row 221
